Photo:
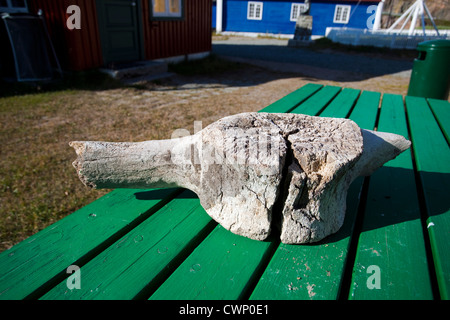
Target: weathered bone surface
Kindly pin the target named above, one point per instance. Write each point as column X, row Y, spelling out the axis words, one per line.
column 247, row 166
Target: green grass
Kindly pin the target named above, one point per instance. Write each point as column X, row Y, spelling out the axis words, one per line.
column 36, row 179
column 37, row 185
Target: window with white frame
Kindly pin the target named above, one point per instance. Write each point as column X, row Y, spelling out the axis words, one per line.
column 13, row 6
column 167, row 8
column 254, row 10
column 296, row 10
column 342, row 14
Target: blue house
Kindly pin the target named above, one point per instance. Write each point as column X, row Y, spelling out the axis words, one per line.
column 278, row 17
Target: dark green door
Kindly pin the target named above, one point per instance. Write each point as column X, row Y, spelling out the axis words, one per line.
column 119, row 30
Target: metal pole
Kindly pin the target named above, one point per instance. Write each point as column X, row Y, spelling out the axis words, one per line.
column 219, row 15
column 41, row 16
column 16, row 64
column 431, row 18
column 378, row 13
column 418, row 4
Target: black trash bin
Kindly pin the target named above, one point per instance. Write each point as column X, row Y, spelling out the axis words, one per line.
column 430, row 76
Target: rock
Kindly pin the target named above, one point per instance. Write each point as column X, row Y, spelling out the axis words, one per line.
column 248, row 167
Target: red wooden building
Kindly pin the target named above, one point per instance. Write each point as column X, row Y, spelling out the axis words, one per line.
column 96, row 33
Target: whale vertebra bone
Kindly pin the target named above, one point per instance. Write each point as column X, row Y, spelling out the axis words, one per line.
column 248, row 167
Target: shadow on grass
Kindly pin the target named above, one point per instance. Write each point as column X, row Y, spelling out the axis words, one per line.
column 211, row 65
column 212, row 72
column 94, row 80
column 84, row 80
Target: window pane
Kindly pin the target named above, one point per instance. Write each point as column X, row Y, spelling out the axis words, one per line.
column 251, row 10
column 258, row 11
column 159, row 6
column 338, row 13
column 3, row 3
column 294, row 12
column 344, row 15
column 175, row 6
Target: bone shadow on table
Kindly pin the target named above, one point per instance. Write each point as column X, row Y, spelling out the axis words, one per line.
column 379, row 206
column 384, row 205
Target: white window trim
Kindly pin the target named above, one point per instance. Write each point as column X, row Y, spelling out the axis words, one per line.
column 11, row 9
column 256, row 4
column 343, row 8
column 167, row 13
column 301, row 7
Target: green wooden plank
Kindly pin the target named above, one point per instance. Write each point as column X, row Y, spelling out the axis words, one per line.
column 427, row 136
column 318, row 101
column 289, row 102
column 221, row 267
column 391, row 261
column 342, row 104
column 135, row 263
column 432, row 156
column 316, row 271
column 365, row 111
column 441, row 110
column 42, row 259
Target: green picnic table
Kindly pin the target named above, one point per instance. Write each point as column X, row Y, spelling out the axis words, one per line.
column 160, row 244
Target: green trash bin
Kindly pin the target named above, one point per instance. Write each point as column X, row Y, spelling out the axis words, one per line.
column 430, row 77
